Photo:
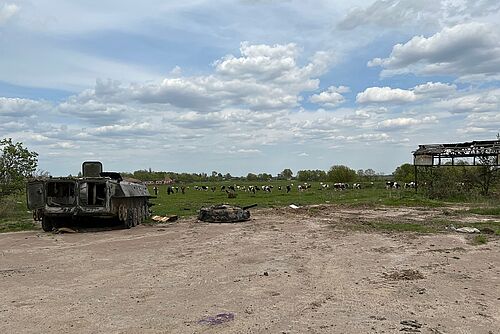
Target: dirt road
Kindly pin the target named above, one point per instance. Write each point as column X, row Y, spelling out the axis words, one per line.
column 284, row 271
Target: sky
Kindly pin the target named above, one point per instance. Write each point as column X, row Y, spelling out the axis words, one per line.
column 246, row 86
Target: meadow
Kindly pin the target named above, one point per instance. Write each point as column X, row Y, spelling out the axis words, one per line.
column 189, row 203
column 14, row 216
column 369, row 195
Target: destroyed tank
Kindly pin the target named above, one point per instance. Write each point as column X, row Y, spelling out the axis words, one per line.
column 96, row 194
column 224, row 213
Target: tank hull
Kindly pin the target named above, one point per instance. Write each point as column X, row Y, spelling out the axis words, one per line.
column 55, row 201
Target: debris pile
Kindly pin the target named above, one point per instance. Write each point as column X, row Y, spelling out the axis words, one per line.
column 164, row 219
column 465, row 229
column 224, row 213
column 217, row 320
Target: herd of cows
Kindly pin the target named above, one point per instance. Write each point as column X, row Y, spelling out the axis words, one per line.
column 288, row 188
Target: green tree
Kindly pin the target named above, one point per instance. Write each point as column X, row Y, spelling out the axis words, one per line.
column 286, row 174
column 341, row 173
column 251, row 177
column 370, row 174
column 484, row 175
column 404, row 173
column 311, row 175
column 264, row 177
column 17, row 163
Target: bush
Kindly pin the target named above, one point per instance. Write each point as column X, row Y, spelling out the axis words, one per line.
column 16, row 164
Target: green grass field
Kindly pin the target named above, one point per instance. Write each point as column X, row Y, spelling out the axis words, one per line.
column 189, row 203
column 14, row 216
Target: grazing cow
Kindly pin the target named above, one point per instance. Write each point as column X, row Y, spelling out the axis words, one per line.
column 303, row 187
column 222, row 188
column 288, row 188
column 356, row 186
column 392, row 185
column 410, row 185
column 231, row 188
column 267, row 188
column 170, row 190
column 339, row 186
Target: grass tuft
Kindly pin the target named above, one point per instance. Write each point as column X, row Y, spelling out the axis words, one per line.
column 479, row 240
column 492, row 211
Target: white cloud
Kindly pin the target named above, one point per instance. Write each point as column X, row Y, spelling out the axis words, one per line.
column 17, row 107
column 263, row 78
column 472, row 102
column 400, row 13
column 381, row 137
column 435, row 89
column 390, row 13
column 385, row 95
column 468, row 51
column 122, row 130
column 7, row 11
column 404, row 122
column 248, row 151
column 332, row 97
column 95, row 112
column 65, row 145
column 429, row 90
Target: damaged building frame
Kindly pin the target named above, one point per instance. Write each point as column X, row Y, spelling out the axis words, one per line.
column 475, row 153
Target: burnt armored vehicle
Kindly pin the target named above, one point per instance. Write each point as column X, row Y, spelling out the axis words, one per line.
column 224, row 213
column 96, row 194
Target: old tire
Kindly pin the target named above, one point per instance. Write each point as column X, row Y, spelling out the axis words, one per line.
column 47, row 224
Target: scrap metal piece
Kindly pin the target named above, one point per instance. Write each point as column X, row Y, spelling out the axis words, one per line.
column 224, row 213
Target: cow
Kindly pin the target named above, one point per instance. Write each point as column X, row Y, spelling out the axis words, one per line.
column 392, row 185
column 410, row 185
column 339, row 186
column 170, row 190
column 303, row 187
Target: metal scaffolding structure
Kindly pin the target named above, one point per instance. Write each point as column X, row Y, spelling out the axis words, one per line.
column 475, row 153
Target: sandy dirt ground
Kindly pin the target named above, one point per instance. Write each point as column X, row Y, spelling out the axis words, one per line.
column 284, row 271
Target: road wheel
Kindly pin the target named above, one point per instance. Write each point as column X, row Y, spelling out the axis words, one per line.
column 129, row 222
column 136, row 217
column 122, row 213
column 142, row 215
column 47, row 224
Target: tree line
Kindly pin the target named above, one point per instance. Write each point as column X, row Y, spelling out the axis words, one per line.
column 17, row 164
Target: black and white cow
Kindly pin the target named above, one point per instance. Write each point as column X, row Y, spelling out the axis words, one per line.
column 392, row 185
column 340, row 186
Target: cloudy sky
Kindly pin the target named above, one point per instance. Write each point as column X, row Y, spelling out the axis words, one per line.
column 246, row 86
